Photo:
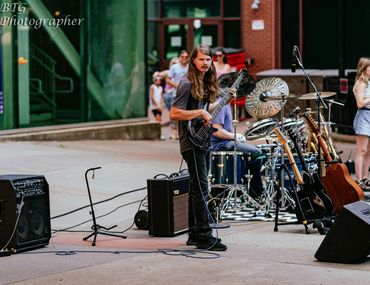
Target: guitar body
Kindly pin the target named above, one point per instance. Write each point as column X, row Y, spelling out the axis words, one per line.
column 315, row 186
column 200, row 134
column 340, row 186
column 311, row 204
column 321, row 192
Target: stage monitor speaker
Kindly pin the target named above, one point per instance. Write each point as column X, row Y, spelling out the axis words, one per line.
column 24, row 212
column 348, row 240
column 168, row 205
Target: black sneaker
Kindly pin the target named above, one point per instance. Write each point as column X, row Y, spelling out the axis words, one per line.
column 211, row 244
column 193, row 240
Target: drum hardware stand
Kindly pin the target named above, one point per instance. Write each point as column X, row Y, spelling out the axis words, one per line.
column 248, row 176
column 281, row 195
column 95, row 227
column 330, row 103
column 269, row 178
column 233, row 192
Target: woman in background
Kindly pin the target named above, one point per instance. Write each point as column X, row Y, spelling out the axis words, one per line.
column 361, row 123
column 220, row 62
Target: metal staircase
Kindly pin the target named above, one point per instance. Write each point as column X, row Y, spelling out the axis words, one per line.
column 45, row 84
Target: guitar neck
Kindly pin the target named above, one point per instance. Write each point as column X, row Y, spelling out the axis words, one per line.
column 219, row 106
column 288, row 152
column 314, row 129
column 226, row 97
column 298, row 149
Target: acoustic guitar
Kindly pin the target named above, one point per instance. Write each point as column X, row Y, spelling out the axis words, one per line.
column 340, row 186
column 308, row 201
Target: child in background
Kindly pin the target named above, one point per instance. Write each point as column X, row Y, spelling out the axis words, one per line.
column 156, row 97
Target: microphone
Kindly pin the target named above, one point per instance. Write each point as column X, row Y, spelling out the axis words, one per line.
column 294, row 59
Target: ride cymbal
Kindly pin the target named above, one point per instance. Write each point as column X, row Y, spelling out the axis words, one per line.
column 312, row 96
column 260, row 103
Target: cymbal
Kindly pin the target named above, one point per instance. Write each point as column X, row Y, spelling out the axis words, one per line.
column 225, row 81
column 260, row 103
column 312, row 96
column 281, row 97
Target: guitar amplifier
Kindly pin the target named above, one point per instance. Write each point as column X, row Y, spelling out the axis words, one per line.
column 24, row 212
column 168, row 204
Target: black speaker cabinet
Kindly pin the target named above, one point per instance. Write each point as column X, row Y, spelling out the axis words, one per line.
column 348, row 240
column 24, row 212
column 168, row 205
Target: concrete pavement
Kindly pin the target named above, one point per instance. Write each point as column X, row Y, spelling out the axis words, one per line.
column 256, row 254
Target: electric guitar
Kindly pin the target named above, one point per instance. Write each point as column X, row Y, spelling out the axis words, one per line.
column 309, row 204
column 316, row 185
column 340, row 186
column 200, row 134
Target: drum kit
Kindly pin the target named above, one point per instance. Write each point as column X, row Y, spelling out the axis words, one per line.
column 229, row 175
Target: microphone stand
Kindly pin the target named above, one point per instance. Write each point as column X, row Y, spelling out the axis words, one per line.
column 318, row 101
column 95, row 227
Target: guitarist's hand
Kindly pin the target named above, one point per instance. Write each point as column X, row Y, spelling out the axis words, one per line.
column 232, row 92
column 206, row 117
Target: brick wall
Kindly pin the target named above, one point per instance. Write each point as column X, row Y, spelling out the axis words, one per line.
column 260, row 44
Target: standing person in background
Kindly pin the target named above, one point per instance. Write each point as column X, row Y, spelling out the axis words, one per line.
column 168, row 89
column 176, row 73
column 361, row 123
column 195, row 90
column 156, row 97
column 220, row 62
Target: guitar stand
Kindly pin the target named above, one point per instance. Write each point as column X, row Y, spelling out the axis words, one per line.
column 317, row 223
column 95, row 227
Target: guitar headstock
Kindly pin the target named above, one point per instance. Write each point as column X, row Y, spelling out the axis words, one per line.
column 243, row 72
column 280, row 136
column 292, row 133
column 311, row 123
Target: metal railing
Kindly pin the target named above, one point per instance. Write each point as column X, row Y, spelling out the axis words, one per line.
column 45, row 83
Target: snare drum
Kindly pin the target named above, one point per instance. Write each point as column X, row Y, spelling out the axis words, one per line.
column 222, row 167
column 260, row 129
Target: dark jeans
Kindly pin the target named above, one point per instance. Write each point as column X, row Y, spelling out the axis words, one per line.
column 198, row 162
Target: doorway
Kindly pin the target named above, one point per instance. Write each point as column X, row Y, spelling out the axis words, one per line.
column 180, row 35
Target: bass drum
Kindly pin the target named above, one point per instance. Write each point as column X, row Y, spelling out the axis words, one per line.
column 260, row 129
column 222, row 167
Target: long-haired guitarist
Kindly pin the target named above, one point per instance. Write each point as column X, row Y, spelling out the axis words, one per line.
column 194, row 92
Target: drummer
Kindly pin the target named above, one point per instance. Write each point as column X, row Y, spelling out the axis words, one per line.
column 223, row 140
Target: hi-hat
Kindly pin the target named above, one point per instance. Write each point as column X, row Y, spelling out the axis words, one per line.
column 312, row 96
column 261, row 102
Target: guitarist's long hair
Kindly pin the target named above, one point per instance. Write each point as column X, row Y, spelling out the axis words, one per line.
column 206, row 89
